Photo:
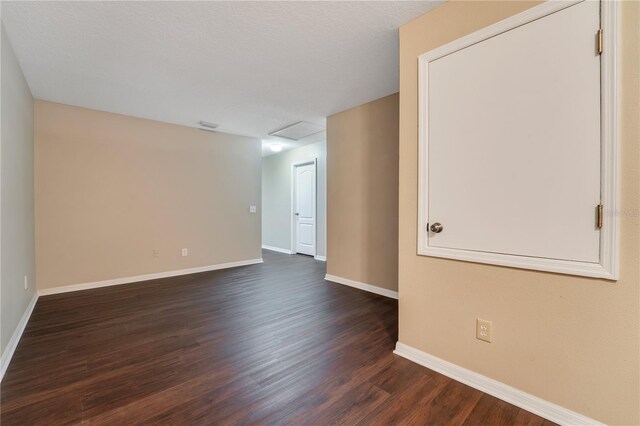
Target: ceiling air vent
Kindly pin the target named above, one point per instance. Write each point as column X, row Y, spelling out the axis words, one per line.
column 297, row 131
column 210, row 127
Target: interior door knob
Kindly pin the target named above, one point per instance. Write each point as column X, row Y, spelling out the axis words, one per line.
column 297, row 214
column 437, row 227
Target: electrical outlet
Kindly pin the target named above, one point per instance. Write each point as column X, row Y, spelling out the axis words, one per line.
column 252, row 209
column 156, row 253
column 185, row 252
column 483, row 330
column 26, row 282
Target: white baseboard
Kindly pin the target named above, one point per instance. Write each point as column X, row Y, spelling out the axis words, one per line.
column 278, row 249
column 320, row 258
column 147, row 277
column 362, row 286
column 542, row 408
column 15, row 337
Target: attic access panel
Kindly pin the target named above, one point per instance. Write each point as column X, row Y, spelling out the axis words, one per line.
column 297, row 131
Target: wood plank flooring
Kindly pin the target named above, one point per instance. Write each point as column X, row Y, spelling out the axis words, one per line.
column 262, row 344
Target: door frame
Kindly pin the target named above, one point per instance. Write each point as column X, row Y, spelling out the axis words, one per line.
column 294, row 232
column 608, row 267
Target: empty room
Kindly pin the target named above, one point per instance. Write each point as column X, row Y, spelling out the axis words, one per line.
column 320, row 212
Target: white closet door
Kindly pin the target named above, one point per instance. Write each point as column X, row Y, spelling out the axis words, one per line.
column 514, row 140
column 305, row 205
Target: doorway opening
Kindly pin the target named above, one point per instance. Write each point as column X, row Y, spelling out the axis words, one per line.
column 295, row 181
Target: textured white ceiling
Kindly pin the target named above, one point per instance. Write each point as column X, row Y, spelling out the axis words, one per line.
column 251, row 67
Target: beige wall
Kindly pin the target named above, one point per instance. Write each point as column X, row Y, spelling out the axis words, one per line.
column 110, row 189
column 17, row 229
column 276, row 195
column 362, row 193
column 569, row 340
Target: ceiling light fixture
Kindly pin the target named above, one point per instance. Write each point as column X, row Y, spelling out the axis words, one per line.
column 275, row 147
column 210, row 127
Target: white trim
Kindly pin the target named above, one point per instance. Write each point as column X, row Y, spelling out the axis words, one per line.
column 535, row 405
column 278, row 249
column 362, row 286
column 15, row 337
column 313, row 161
column 608, row 267
column 321, row 258
column 610, row 124
column 147, row 277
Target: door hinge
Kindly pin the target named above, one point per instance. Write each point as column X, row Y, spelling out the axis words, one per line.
column 600, row 42
column 600, row 215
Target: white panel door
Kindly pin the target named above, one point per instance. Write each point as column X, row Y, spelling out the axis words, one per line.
column 514, row 141
column 305, row 209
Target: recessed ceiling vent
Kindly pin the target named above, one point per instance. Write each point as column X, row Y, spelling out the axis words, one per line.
column 210, row 127
column 297, row 131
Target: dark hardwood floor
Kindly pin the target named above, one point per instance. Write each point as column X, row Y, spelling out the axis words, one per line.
column 262, row 344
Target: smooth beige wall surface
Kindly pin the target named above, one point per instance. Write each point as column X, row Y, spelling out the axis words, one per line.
column 362, row 193
column 110, row 189
column 276, row 195
column 17, row 228
column 570, row 340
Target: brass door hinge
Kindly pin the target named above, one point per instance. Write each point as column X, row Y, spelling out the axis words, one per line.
column 600, row 43
column 600, row 215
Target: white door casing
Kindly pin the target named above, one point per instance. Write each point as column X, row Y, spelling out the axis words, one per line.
column 518, row 142
column 304, row 207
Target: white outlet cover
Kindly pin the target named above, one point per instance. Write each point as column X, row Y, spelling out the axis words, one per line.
column 252, row 209
column 185, row 252
column 26, row 282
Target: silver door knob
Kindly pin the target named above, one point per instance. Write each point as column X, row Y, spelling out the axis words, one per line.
column 297, row 214
column 437, row 228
